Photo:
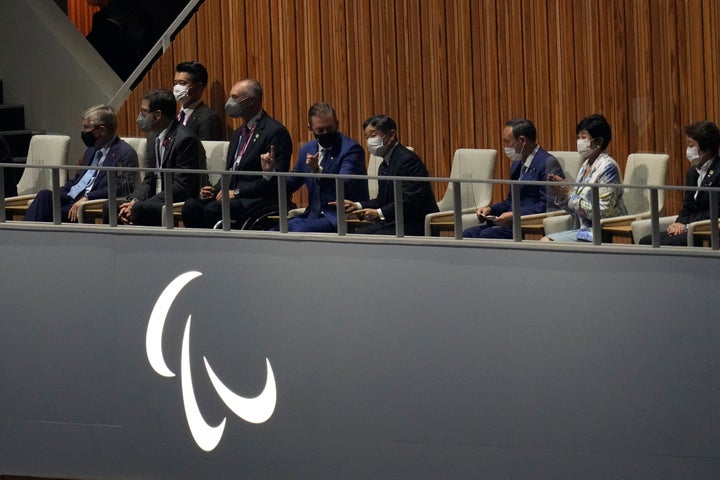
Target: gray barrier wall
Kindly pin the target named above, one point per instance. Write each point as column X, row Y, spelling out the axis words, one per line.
column 389, row 360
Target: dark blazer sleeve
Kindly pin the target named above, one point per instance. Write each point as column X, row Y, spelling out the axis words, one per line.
column 418, row 199
column 120, row 155
column 695, row 210
column 273, row 134
column 353, row 163
column 186, row 153
column 206, row 123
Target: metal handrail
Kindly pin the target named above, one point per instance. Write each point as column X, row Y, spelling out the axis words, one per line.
column 397, row 180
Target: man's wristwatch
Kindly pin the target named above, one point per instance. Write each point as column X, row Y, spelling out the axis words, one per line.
column 236, row 192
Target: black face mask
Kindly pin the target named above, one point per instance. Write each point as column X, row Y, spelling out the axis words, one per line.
column 88, row 138
column 327, row 140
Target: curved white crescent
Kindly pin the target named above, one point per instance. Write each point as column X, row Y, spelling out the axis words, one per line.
column 153, row 338
column 206, row 436
column 253, row 410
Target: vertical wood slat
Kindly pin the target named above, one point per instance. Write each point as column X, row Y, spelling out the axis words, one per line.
column 452, row 71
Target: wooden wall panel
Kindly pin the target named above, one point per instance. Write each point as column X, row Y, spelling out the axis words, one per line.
column 451, row 72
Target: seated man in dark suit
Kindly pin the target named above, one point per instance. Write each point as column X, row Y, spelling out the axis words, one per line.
column 258, row 134
column 169, row 145
column 331, row 152
column 529, row 162
column 191, row 78
column 418, row 198
column 106, row 149
column 10, row 174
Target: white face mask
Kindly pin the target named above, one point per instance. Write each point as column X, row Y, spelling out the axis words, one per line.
column 584, row 148
column 182, row 93
column 693, row 156
column 512, row 154
column 375, row 146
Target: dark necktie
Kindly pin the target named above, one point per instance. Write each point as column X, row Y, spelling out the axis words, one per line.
column 384, row 169
column 181, row 117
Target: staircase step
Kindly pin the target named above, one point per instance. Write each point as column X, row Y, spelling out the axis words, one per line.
column 12, row 117
column 19, row 140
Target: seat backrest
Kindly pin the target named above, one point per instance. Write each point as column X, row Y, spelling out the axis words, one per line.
column 44, row 150
column 570, row 162
column 644, row 169
column 216, row 154
column 139, row 144
column 471, row 164
column 372, row 169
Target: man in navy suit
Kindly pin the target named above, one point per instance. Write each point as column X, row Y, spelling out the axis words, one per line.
column 417, row 196
column 259, row 134
column 529, row 162
column 169, row 145
column 331, row 152
column 105, row 148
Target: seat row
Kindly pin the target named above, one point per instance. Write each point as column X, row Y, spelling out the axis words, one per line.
column 467, row 165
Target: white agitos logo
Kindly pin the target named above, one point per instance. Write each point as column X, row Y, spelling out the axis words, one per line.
column 253, row 410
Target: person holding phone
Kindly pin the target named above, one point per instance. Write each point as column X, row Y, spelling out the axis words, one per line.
column 529, row 162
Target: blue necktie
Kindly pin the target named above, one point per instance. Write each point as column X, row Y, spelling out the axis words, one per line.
column 82, row 185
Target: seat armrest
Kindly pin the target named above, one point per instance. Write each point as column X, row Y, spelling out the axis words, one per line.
column 20, row 201
column 557, row 223
column 449, row 216
column 698, row 227
column 623, row 219
column 643, row 228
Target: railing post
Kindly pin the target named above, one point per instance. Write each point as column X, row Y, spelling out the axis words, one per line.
column 112, row 199
column 2, row 194
column 57, row 219
column 457, row 209
column 714, row 244
column 399, row 214
column 654, row 217
column 596, row 227
column 340, row 206
column 517, row 223
column 282, row 204
column 169, row 214
column 225, row 203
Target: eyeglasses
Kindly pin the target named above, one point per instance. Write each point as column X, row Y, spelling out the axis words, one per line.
column 145, row 111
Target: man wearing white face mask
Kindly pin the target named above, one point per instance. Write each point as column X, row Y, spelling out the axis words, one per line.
column 418, row 198
column 530, row 162
column 703, row 141
column 593, row 136
column 188, row 87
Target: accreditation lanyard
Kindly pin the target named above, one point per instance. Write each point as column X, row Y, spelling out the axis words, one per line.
column 243, row 146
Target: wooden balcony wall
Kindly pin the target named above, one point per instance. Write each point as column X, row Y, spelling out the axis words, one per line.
column 452, row 71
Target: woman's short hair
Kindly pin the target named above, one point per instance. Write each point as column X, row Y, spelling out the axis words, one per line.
column 101, row 115
column 380, row 122
column 706, row 134
column 597, row 127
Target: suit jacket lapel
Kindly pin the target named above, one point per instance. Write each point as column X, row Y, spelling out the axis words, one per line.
column 253, row 142
column 169, row 143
